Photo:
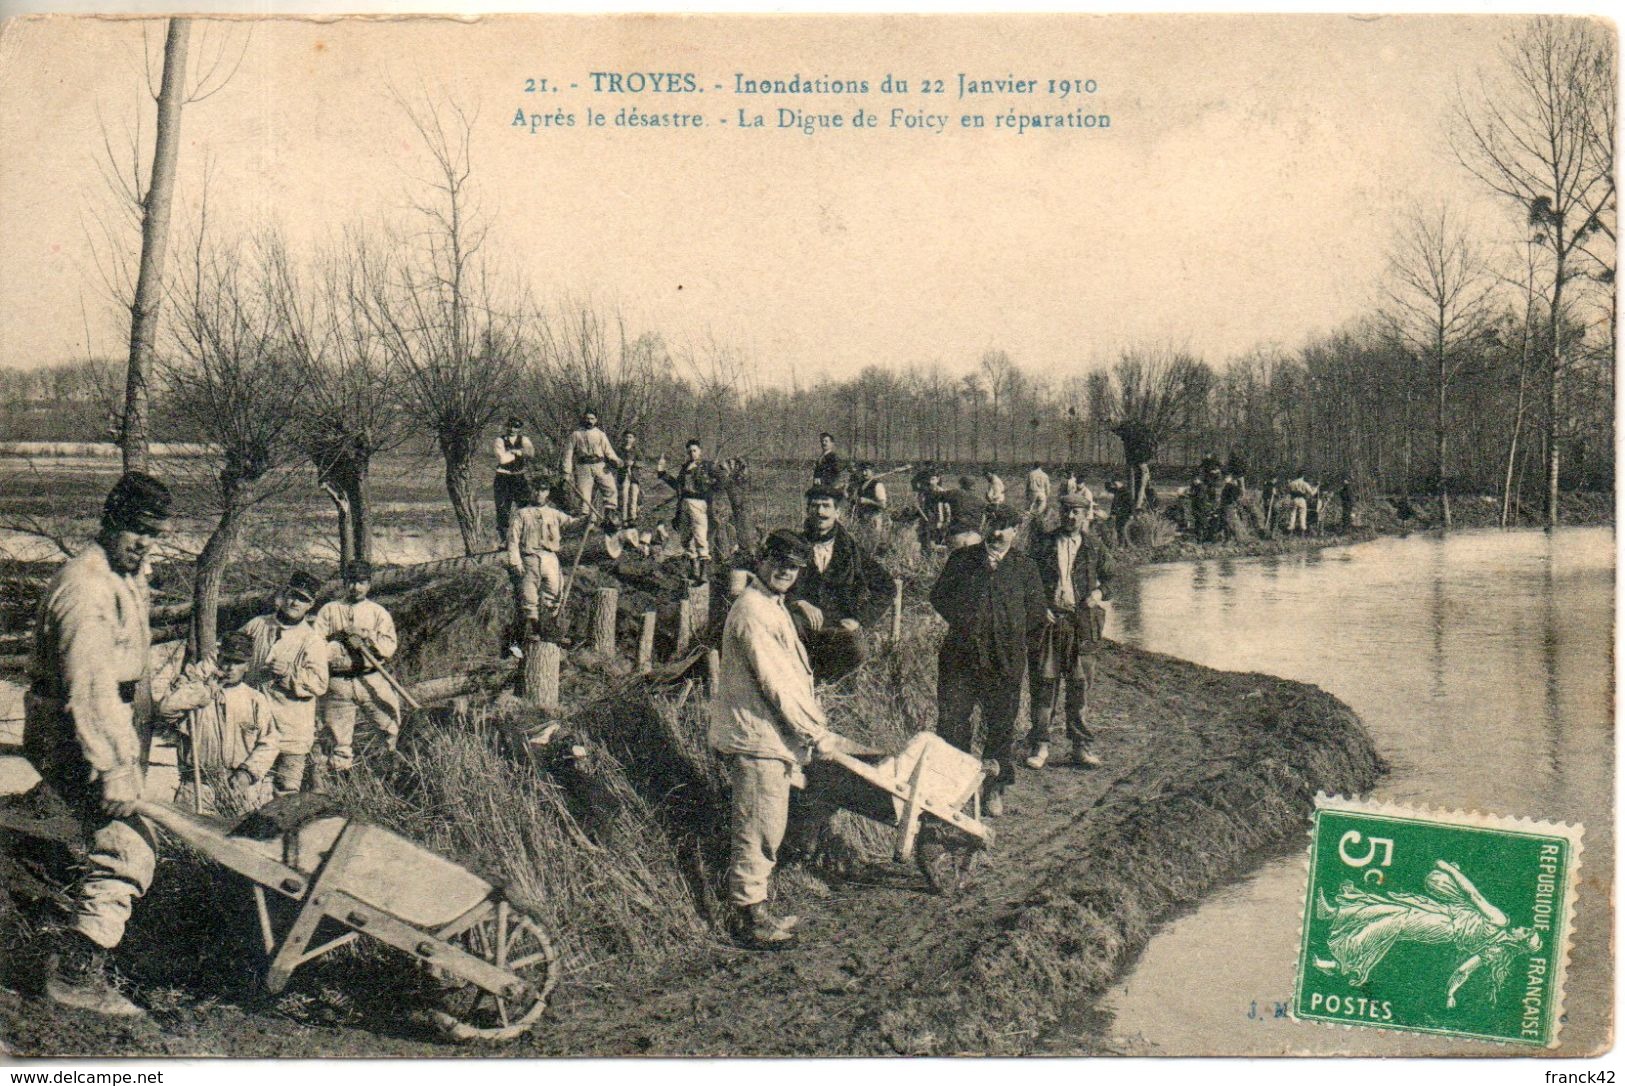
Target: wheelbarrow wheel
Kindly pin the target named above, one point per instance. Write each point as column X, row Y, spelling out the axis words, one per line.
column 510, row 938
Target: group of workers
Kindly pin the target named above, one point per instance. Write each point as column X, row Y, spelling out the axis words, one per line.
column 247, row 719
column 277, row 706
column 1015, row 618
column 532, row 529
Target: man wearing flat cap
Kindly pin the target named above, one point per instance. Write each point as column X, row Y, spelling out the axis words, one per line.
column 91, row 646
column 1077, row 572
column 514, row 454
column 993, row 600
column 227, row 730
column 767, row 724
column 290, row 666
column 360, row 636
column 842, row 589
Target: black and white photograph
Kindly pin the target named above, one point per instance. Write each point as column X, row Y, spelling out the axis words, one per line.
column 795, row 535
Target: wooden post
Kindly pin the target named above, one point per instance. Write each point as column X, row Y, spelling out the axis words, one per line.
column 605, row 603
column 700, row 604
column 897, row 610
column 646, row 644
column 685, row 627
column 541, row 679
column 713, row 668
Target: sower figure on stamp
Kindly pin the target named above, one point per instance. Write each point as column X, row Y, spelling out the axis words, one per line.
column 840, row 591
column 534, row 539
column 767, row 723
column 514, row 454
column 1076, row 571
column 290, row 668
column 993, row 600
column 361, row 636
column 227, row 731
column 91, row 646
column 587, row 456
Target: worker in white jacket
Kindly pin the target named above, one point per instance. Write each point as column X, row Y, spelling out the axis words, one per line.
column 355, row 629
column 290, row 668
column 587, row 456
column 767, row 723
column 80, row 731
column 227, row 730
column 534, row 537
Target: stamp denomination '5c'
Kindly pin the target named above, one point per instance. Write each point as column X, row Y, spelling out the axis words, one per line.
column 1437, row 922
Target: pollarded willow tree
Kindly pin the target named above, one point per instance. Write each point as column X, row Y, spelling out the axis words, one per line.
column 445, row 322
column 231, row 382
column 349, row 383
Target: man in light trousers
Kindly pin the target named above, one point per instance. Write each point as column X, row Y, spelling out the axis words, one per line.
column 80, row 731
column 290, row 668
column 767, row 723
column 355, row 629
column 587, row 456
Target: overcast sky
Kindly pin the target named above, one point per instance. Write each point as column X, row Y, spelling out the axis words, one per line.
column 1244, row 193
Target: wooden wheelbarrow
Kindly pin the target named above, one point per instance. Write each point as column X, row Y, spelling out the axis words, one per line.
column 492, row 962
column 930, row 777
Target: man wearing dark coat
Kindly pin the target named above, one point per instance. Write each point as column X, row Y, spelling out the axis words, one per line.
column 1077, row 572
column 993, row 600
column 827, row 468
column 840, row 591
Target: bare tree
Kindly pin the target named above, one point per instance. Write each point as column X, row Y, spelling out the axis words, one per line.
column 150, row 204
column 350, row 387
column 441, row 317
column 1525, row 135
column 584, row 357
column 997, row 371
column 232, row 383
column 1439, row 293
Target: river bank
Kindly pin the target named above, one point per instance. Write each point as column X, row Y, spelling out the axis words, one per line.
column 1205, row 772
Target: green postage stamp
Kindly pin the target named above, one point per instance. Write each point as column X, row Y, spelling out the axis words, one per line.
column 1437, row 922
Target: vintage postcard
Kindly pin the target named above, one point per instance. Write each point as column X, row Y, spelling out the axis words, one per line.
column 808, row 536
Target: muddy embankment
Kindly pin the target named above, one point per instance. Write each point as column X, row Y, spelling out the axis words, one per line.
column 1205, row 774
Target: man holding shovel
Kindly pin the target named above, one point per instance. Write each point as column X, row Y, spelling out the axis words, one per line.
column 361, row 638
column 227, row 729
column 290, row 668
column 1076, row 571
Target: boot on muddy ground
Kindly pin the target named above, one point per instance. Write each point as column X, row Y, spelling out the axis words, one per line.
column 75, row 974
column 1039, row 757
column 1083, row 758
column 754, row 927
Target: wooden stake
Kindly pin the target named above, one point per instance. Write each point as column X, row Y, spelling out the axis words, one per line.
column 713, row 668
column 897, row 610
column 605, row 604
column 541, row 679
column 646, row 644
column 685, row 627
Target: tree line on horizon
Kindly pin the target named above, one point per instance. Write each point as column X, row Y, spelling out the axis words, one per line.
column 1477, row 368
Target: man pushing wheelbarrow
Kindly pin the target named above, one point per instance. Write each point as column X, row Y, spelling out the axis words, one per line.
column 767, row 724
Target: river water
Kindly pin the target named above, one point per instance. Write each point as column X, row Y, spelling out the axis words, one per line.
column 1481, row 664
